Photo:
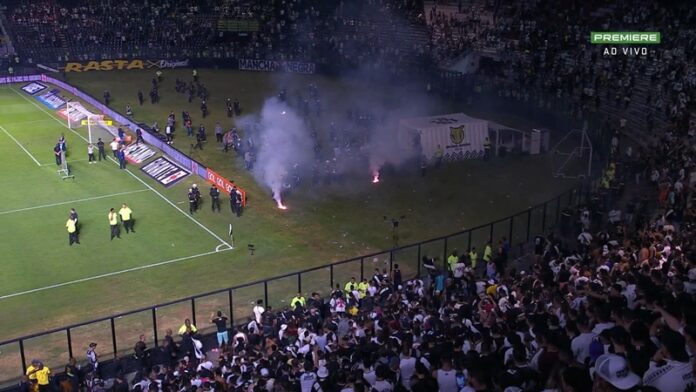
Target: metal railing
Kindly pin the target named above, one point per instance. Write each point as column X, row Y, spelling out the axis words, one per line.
column 57, row 345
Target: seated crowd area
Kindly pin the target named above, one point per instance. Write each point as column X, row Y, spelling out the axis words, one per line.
column 602, row 303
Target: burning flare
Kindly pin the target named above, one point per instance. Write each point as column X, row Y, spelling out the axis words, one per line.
column 375, row 177
column 281, row 205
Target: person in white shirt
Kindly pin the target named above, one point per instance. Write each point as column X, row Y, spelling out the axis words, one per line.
column 676, row 374
column 580, row 345
column 446, row 377
column 407, row 368
column 381, row 384
column 258, row 311
column 114, row 147
column 459, row 269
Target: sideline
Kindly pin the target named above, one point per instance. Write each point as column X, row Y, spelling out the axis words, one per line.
column 71, row 201
column 82, row 280
column 20, row 145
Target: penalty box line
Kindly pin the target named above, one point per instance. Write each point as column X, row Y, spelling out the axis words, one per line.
column 106, row 275
column 72, row 201
column 217, row 237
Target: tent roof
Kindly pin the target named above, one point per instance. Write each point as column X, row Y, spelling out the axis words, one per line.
column 438, row 121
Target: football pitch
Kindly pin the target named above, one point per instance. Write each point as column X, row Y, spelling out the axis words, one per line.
column 47, row 284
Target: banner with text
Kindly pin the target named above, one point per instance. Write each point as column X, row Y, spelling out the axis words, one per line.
column 51, row 99
column 277, row 66
column 33, row 88
column 165, row 171
column 138, row 153
column 116, row 65
column 223, row 184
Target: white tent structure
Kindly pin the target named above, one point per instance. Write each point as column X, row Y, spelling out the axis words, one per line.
column 457, row 135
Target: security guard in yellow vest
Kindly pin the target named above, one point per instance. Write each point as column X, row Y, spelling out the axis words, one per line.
column 473, row 256
column 71, row 225
column 113, row 223
column 298, row 300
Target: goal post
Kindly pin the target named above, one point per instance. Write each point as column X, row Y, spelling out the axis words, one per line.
column 77, row 116
column 571, row 157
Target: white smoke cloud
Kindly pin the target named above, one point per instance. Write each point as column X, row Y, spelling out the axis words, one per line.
column 284, row 147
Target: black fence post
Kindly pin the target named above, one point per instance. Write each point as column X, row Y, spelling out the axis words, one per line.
column 529, row 222
column 22, row 356
column 391, row 260
column 265, row 292
column 67, row 333
column 229, row 296
column 193, row 311
column 558, row 209
column 418, row 261
column 512, row 220
column 113, row 337
column 154, row 326
column 299, row 282
column 444, row 254
column 362, row 268
column 331, row 278
column 543, row 218
column 468, row 250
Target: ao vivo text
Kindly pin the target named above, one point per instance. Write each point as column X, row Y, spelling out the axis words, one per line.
column 626, row 51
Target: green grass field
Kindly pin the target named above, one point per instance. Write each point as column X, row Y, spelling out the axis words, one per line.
column 47, row 284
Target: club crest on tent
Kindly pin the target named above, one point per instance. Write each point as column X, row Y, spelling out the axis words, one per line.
column 457, row 135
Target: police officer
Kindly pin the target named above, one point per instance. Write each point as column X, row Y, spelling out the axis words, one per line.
column 233, row 201
column 192, row 201
column 196, row 192
column 204, row 108
column 100, row 147
column 230, row 110
column 215, row 198
column 56, row 152
column 238, row 202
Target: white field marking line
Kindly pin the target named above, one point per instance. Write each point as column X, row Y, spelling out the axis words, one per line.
column 71, row 201
column 106, row 275
column 228, row 247
column 177, row 207
column 128, row 171
column 69, row 161
column 20, row 145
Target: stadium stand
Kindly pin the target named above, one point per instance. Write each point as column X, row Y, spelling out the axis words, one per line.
column 612, row 287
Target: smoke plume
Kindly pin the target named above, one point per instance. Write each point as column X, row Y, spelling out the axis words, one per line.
column 283, row 146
